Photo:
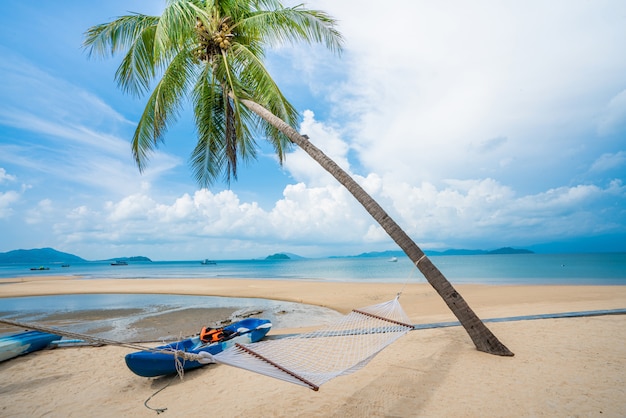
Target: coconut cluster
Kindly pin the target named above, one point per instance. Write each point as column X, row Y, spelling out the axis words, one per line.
column 210, row 42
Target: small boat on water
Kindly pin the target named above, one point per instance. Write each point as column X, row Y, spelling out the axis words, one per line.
column 40, row 268
column 25, row 342
column 393, row 260
column 119, row 263
column 155, row 363
column 207, row 262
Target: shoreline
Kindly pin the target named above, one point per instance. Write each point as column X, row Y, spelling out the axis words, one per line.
column 417, row 298
column 561, row 367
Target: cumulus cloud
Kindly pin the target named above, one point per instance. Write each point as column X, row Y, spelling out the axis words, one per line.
column 308, row 217
column 302, row 167
column 6, row 200
column 9, row 197
column 6, row 177
column 40, row 213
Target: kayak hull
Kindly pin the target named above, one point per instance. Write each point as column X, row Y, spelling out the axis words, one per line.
column 25, row 342
column 153, row 364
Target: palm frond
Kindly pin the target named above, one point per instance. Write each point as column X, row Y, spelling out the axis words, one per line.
column 176, row 25
column 162, row 107
column 261, row 87
column 138, row 66
column 109, row 38
column 214, row 50
column 207, row 158
column 296, row 24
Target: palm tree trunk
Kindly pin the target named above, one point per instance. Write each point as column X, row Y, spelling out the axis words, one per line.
column 482, row 337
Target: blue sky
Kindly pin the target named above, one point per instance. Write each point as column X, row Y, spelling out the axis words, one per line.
column 475, row 125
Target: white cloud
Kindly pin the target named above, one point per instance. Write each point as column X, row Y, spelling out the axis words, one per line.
column 609, row 161
column 434, row 87
column 302, row 167
column 313, row 218
column 6, row 200
column 48, row 95
column 40, row 213
column 5, row 177
column 71, row 126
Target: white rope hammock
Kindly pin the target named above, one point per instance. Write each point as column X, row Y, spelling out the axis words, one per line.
column 314, row 358
column 310, row 359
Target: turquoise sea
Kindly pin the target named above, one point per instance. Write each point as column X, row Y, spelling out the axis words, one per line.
column 593, row 268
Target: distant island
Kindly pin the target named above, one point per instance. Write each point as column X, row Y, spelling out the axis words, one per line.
column 503, row 250
column 278, row 256
column 138, row 258
column 42, row 256
column 51, row 256
column 39, row 256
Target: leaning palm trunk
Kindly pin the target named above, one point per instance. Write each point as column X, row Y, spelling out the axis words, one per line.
column 482, row 337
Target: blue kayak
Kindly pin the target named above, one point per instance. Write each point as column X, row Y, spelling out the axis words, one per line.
column 152, row 363
column 25, row 342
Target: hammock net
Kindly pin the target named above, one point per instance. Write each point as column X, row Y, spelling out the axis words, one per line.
column 313, row 358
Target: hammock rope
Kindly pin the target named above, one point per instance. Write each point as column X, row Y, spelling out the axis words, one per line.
column 178, row 354
column 312, row 359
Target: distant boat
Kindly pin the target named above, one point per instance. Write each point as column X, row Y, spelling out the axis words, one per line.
column 119, row 263
column 40, row 268
column 393, row 259
column 207, row 262
column 65, row 265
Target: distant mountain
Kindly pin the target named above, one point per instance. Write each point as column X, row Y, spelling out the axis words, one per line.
column 278, row 256
column 38, row 256
column 504, row 250
column 376, row 254
column 509, row 250
column 50, row 255
column 454, row 251
column 138, row 258
column 283, row 256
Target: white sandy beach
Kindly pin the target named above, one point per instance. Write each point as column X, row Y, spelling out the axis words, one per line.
column 561, row 368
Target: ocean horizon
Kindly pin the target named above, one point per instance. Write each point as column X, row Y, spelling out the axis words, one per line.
column 543, row 269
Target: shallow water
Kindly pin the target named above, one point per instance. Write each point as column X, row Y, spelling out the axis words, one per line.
column 133, row 317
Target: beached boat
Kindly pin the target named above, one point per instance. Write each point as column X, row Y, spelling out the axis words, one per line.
column 158, row 363
column 119, row 263
column 24, row 342
column 207, row 262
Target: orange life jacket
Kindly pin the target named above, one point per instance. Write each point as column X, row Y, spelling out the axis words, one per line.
column 211, row 335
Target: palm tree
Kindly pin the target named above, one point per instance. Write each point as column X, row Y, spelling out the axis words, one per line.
column 209, row 53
